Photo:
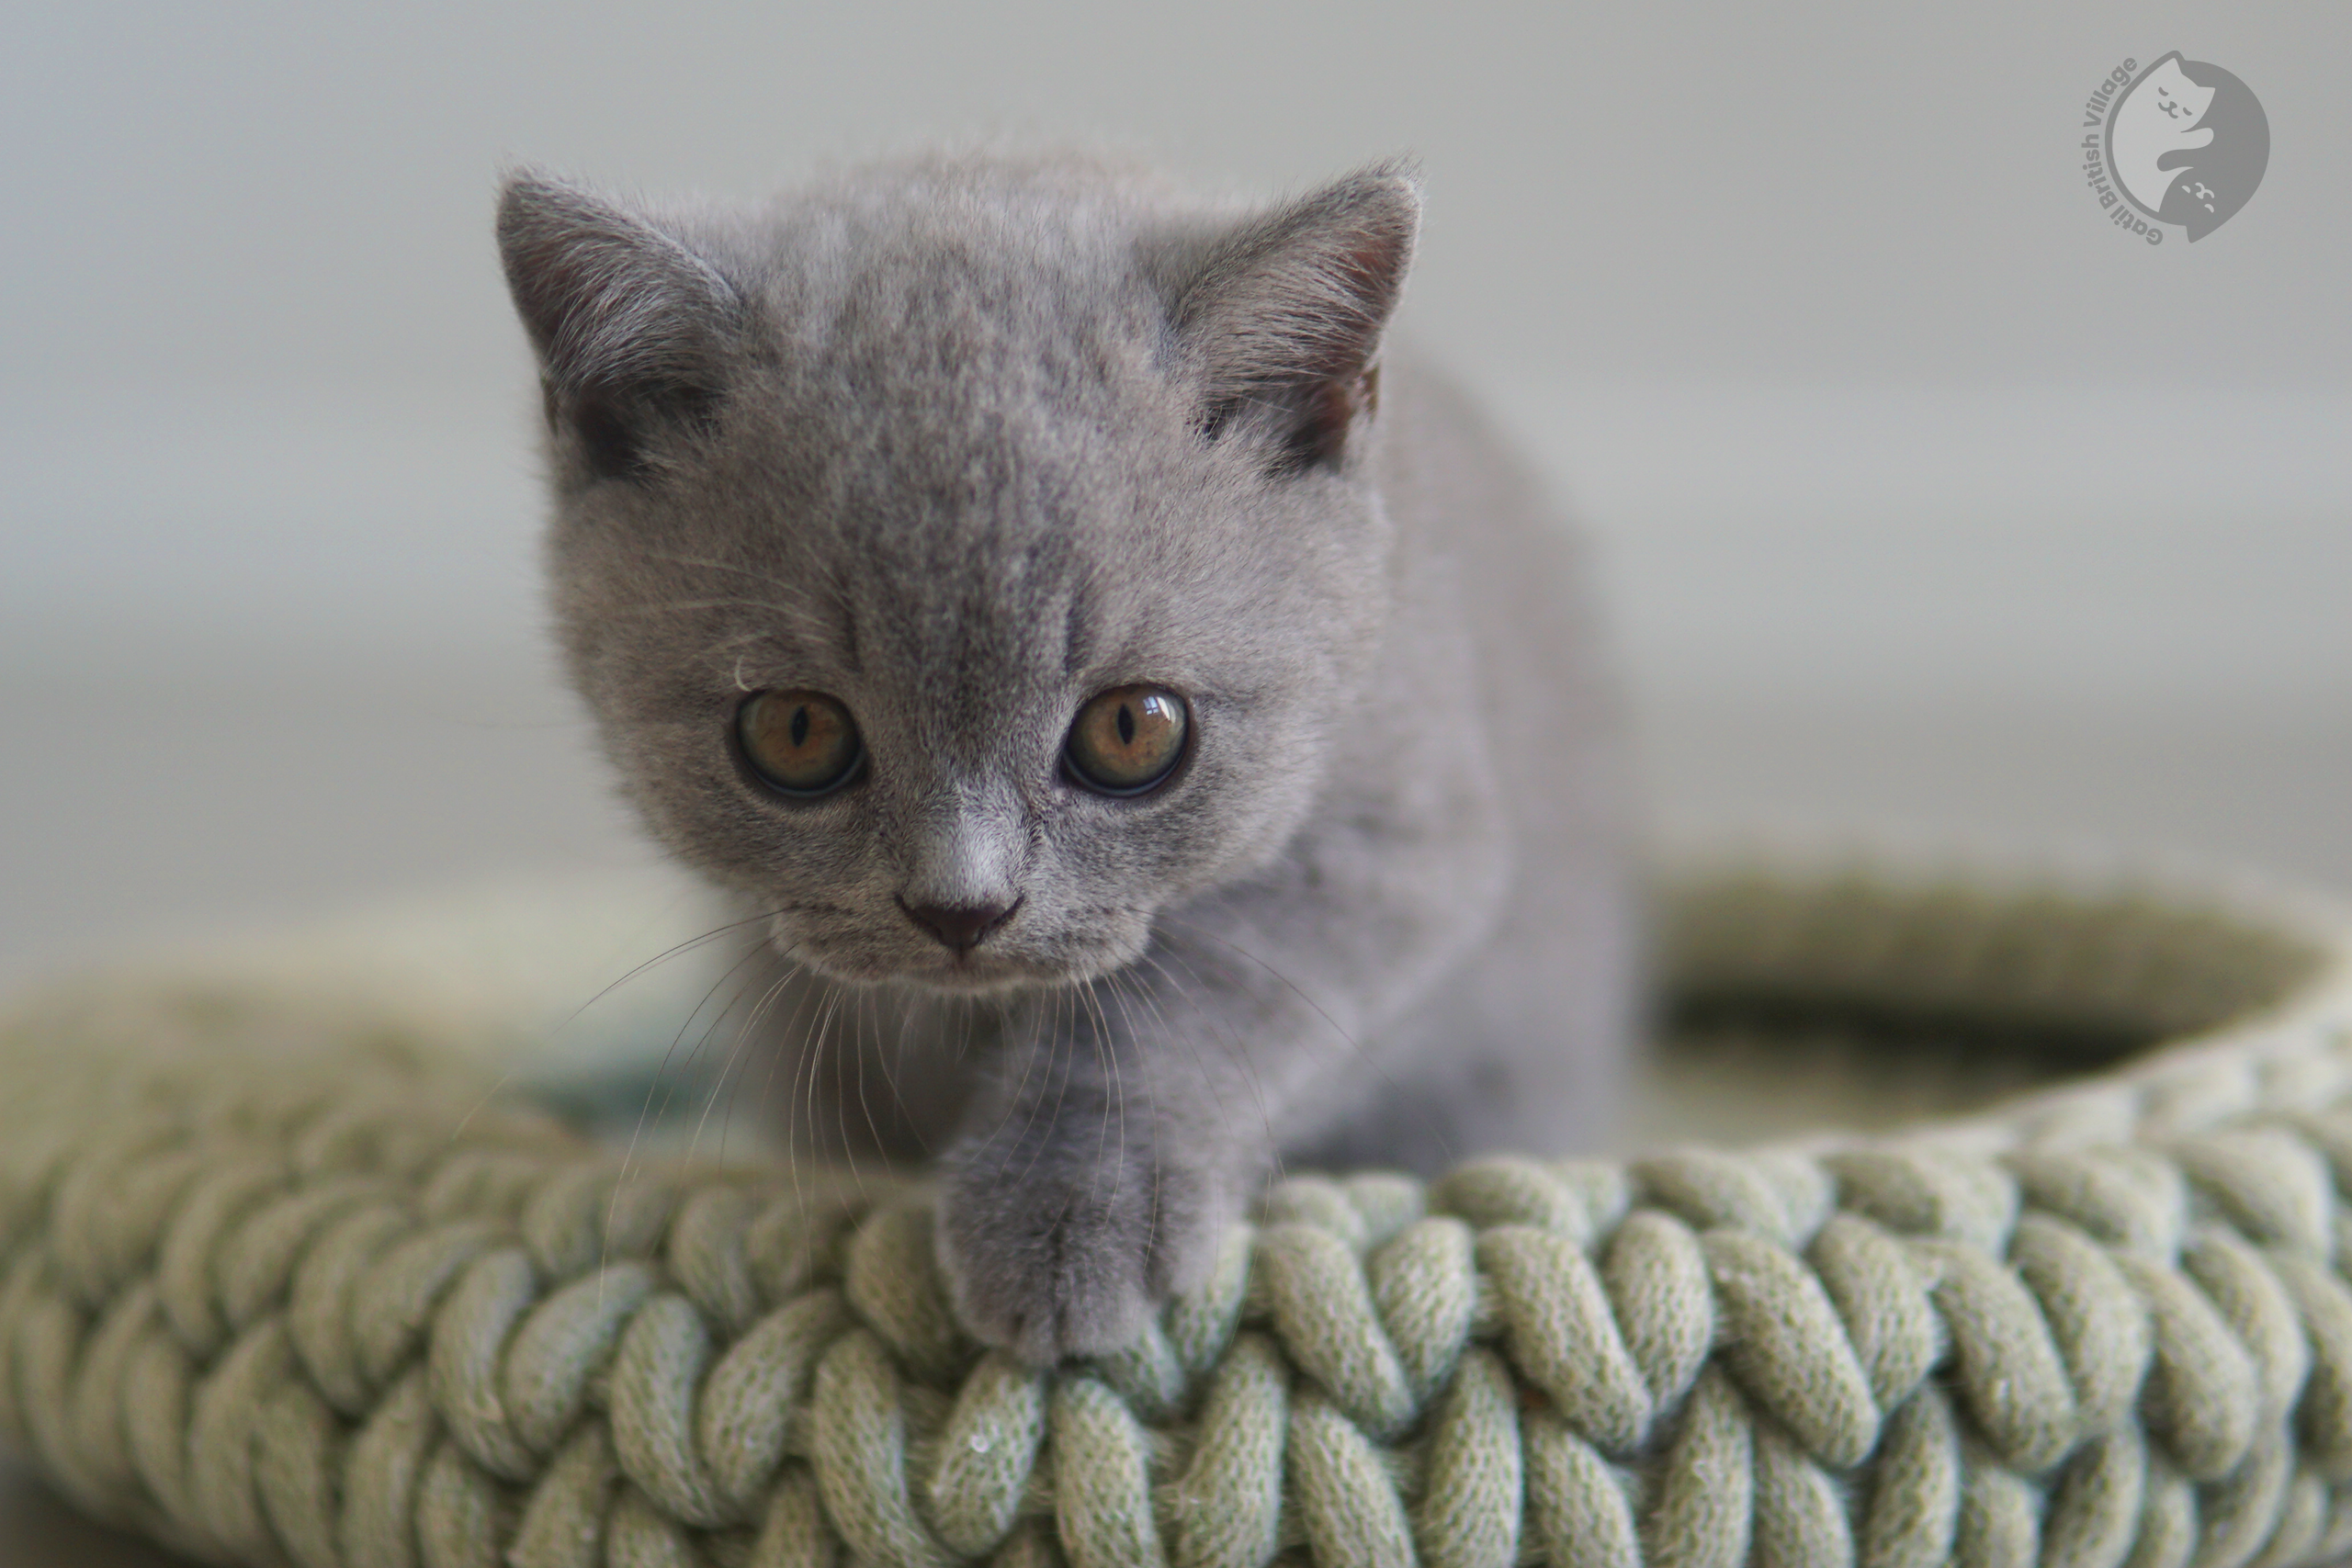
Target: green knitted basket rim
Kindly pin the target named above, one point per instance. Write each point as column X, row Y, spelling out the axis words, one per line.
column 288, row 1277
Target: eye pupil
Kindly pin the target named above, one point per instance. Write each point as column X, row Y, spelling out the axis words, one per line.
column 800, row 724
column 1126, row 725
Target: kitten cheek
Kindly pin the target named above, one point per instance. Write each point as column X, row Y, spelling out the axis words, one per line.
column 1107, row 946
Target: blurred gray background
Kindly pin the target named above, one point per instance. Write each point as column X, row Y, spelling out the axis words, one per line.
column 1927, row 502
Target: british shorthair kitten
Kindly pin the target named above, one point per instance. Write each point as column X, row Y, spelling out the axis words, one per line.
column 1160, row 732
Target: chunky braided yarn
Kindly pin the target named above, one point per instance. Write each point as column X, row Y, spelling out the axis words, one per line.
column 284, row 1284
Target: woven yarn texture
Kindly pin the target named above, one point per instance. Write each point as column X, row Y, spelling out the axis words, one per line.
column 285, row 1282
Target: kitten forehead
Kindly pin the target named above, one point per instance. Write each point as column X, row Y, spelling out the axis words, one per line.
column 968, row 395
column 967, row 269
column 951, row 519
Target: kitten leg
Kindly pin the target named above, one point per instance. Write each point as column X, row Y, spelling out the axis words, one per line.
column 1094, row 1177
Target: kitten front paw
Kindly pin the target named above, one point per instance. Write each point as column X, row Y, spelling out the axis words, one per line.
column 1053, row 1253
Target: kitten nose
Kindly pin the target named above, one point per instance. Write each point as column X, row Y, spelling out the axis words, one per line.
column 959, row 926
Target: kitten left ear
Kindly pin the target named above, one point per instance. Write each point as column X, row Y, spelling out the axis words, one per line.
column 632, row 327
column 1286, row 314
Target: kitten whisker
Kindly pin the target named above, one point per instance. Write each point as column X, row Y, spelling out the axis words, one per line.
column 1231, row 1043
column 661, row 1080
column 646, row 1110
column 663, row 957
column 788, row 971
column 887, row 1063
column 872, row 1127
column 739, row 639
column 845, row 1052
column 1028, row 1064
column 811, row 1044
column 1062, row 1063
column 1353, row 1045
column 1166, row 1032
column 1151, row 1096
column 688, row 606
column 1106, row 1055
column 705, row 562
column 1387, row 1080
column 734, row 1054
column 1226, row 1038
column 816, row 1060
column 767, row 1088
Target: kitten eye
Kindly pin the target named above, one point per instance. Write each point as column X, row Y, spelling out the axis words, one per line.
column 1127, row 738
column 801, row 742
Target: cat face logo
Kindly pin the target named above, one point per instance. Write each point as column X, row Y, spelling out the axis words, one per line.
column 2186, row 143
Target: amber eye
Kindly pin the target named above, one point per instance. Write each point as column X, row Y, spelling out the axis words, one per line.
column 1126, row 740
column 802, row 742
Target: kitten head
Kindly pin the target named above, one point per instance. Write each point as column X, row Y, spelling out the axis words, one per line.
column 965, row 561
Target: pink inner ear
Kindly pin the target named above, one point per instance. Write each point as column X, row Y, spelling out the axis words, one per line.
column 1370, row 274
column 1330, row 414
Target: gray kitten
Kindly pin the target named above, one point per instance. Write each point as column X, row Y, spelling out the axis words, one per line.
column 1160, row 733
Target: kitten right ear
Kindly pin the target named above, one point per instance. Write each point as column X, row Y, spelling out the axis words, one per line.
column 632, row 327
column 1285, row 315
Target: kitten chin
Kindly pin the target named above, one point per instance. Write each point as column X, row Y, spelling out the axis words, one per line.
column 1060, row 592
column 1009, row 964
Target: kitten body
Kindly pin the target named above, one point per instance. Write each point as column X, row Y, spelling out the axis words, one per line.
column 965, row 443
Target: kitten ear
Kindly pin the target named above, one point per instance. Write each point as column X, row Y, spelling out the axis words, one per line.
column 1285, row 313
column 632, row 327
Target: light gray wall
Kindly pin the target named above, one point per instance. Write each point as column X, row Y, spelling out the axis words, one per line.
column 257, row 193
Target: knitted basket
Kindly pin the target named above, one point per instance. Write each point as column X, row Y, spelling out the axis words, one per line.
column 287, row 1279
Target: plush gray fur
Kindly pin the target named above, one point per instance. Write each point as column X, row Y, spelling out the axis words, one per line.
column 962, row 442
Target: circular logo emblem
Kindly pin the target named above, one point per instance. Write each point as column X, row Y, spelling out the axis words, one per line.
column 2183, row 142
